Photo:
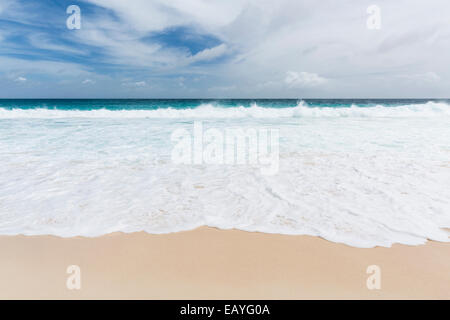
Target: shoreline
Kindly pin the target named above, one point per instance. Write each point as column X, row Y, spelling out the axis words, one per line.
column 209, row 263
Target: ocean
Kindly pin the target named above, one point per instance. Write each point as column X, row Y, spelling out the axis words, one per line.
column 361, row 172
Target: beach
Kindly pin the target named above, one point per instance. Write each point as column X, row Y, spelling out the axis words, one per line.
column 209, row 263
column 249, row 150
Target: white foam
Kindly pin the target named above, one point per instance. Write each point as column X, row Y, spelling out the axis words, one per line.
column 206, row 111
column 350, row 178
column 359, row 200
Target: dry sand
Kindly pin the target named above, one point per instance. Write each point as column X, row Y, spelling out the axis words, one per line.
column 213, row 264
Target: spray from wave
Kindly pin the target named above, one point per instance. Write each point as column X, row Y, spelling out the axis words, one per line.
column 208, row 110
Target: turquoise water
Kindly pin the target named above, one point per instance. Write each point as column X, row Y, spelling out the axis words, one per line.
column 152, row 104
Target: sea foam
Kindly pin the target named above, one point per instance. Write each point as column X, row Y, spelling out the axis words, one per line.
column 204, row 111
column 363, row 176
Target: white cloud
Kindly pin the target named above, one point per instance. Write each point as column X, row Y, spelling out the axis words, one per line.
column 210, row 54
column 88, row 81
column 262, row 40
column 137, row 84
column 156, row 15
column 303, row 79
column 21, row 79
column 222, row 88
column 42, row 42
column 328, row 38
column 426, row 77
column 21, row 66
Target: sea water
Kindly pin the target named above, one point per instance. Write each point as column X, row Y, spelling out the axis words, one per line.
column 361, row 172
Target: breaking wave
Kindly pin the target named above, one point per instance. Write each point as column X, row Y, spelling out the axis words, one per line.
column 302, row 110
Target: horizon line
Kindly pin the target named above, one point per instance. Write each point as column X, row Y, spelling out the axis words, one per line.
column 426, row 98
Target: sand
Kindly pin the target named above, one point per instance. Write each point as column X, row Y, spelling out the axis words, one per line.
column 215, row 264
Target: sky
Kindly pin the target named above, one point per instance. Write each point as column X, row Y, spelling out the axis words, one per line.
column 225, row 49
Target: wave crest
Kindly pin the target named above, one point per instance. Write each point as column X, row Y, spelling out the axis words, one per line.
column 206, row 111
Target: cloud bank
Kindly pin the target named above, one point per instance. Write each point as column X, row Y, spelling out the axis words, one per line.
column 229, row 49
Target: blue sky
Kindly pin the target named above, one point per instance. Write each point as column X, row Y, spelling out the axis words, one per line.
column 224, row 49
